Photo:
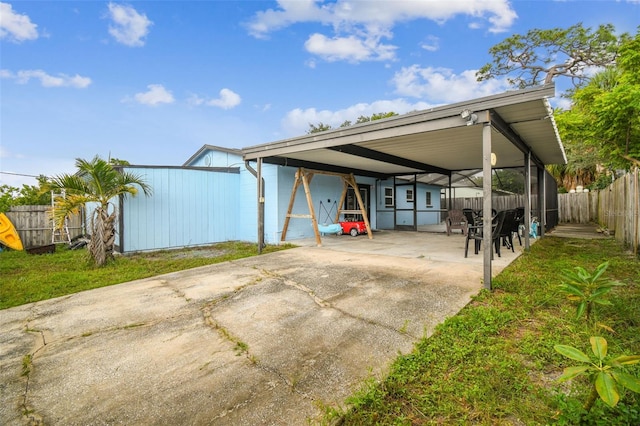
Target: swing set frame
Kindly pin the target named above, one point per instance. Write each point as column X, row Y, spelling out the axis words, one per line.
column 304, row 176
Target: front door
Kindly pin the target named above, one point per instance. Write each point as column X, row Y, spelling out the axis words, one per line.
column 351, row 202
column 405, row 210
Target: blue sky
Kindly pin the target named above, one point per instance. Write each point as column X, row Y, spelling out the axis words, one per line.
column 150, row 82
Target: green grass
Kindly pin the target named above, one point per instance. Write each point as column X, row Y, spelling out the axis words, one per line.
column 494, row 362
column 28, row 278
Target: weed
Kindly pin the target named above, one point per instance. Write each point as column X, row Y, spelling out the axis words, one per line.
column 605, row 375
column 586, row 288
column 241, row 348
column 133, row 325
column 26, row 365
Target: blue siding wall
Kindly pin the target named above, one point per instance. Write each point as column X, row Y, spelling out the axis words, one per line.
column 214, row 158
column 188, row 207
column 426, row 215
column 246, row 213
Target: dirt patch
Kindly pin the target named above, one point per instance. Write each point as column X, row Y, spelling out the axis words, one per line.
column 200, row 254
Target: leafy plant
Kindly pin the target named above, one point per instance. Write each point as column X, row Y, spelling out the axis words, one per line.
column 605, row 375
column 96, row 181
column 587, row 288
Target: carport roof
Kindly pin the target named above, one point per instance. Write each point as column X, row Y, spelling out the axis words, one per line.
column 430, row 143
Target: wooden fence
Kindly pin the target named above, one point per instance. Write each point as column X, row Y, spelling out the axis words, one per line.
column 499, row 203
column 617, row 208
column 34, row 225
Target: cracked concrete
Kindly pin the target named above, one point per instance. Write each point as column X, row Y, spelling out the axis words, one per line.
column 267, row 340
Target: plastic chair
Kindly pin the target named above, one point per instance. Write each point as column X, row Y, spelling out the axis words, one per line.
column 509, row 226
column 456, row 220
column 470, row 216
column 475, row 233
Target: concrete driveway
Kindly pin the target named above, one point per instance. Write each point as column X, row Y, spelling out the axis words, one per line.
column 267, row 340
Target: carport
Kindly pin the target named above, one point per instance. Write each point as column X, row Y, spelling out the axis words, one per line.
column 515, row 129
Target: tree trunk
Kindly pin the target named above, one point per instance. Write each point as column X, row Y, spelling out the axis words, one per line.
column 102, row 237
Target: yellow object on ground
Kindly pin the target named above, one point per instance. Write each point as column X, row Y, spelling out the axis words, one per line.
column 8, row 234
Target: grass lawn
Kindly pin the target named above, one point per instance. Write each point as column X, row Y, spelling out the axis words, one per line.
column 28, row 278
column 494, row 363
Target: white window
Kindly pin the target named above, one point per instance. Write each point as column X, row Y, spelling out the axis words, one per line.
column 429, row 203
column 388, row 197
column 409, row 195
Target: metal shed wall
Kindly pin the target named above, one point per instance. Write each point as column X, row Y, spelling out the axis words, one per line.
column 188, row 207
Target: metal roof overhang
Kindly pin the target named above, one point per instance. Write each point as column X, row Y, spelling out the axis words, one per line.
column 517, row 126
column 435, row 143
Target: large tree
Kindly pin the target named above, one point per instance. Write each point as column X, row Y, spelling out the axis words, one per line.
column 100, row 182
column 605, row 115
column 539, row 56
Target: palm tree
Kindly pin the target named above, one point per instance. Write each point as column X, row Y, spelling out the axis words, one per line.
column 97, row 181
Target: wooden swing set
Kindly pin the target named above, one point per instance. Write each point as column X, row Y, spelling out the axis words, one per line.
column 304, row 177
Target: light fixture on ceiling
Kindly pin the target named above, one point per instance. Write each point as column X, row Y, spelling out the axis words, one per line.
column 494, row 158
column 469, row 116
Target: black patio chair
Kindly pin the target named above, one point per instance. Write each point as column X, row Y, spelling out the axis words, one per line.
column 475, row 233
column 520, row 222
column 509, row 226
column 471, row 216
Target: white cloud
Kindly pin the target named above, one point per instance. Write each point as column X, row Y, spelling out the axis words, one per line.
column 156, row 95
column 559, row 102
column 297, row 121
column 431, row 43
column 47, row 80
column 128, row 26
column 228, row 99
column 432, row 87
column 292, row 11
column 359, row 26
column 442, row 85
column 351, row 49
column 16, row 27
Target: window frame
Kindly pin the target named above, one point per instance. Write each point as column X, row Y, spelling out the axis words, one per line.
column 389, row 196
column 410, row 195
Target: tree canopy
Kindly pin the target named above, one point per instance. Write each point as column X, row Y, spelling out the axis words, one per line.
column 321, row 127
column 600, row 132
column 28, row 195
column 539, row 56
column 605, row 116
column 96, row 181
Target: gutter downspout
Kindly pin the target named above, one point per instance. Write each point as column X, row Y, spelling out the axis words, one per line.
column 260, row 193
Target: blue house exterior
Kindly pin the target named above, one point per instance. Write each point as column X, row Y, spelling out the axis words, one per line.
column 212, row 198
